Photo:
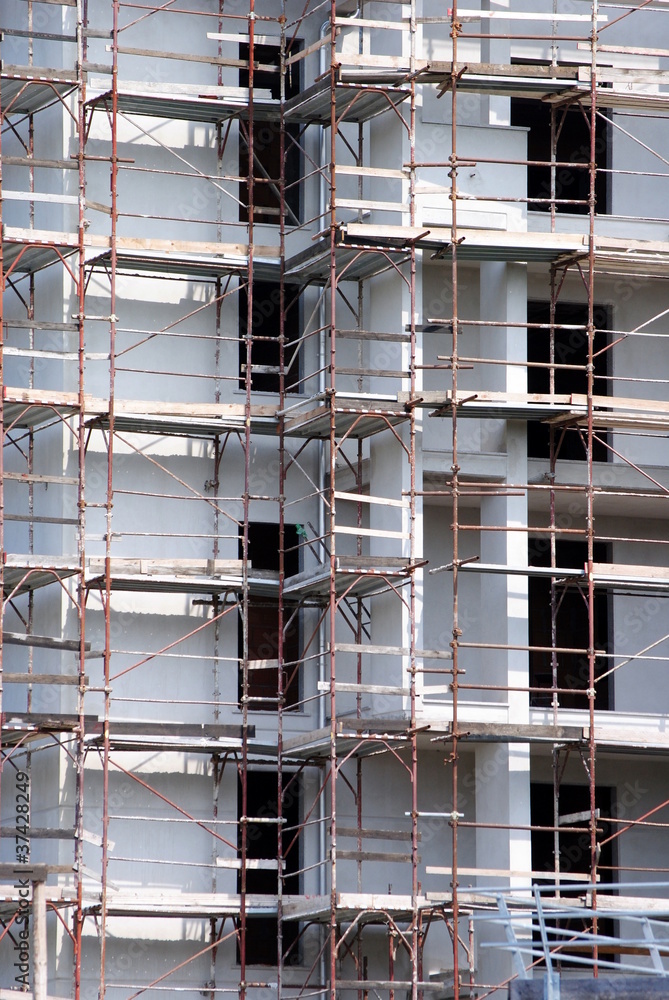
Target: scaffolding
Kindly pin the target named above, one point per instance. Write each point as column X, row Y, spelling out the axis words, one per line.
column 310, row 413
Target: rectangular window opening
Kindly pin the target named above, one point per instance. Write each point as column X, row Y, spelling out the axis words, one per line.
column 571, row 349
column 267, row 142
column 574, row 850
column 265, row 333
column 571, row 627
column 263, row 844
column 573, row 146
column 263, row 625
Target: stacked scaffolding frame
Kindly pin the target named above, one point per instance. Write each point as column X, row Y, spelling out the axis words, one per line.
column 157, row 577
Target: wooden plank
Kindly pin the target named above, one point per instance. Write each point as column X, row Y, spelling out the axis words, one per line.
column 40, row 73
column 35, row 162
column 578, row 817
column 314, row 47
column 625, row 570
column 321, row 410
column 438, row 397
column 343, row 529
column 43, row 641
column 519, row 733
column 421, row 654
column 639, row 987
column 357, row 647
column 176, row 730
column 142, row 88
column 27, row 352
column 386, row 984
column 368, row 60
column 228, row 36
column 365, row 22
column 97, row 206
column 184, row 246
column 403, row 338
column 68, row 680
column 635, row 904
column 263, row 664
column 158, row 408
column 388, row 857
column 33, row 196
column 95, row 67
column 160, row 567
column 367, row 205
column 127, row 50
column 624, row 75
column 559, row 242
column 347, row 688
column 372, row 562
column 13, row 721
column 373, row 901
column 341, row 168
column 509, row 873
column 544, row 71
column 622, row 403
column 39, row 519
column 35, row 324
column 40, row 397
column 33, row 477
column 630, row 50
column 166, row 903
column 508, row 15
column 374, row 372
column 373, row 834
column 365, row 498
column 39, row 833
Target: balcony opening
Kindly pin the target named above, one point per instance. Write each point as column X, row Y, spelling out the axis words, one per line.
column 265, row 331
column 571, row 627
column 267, row 142
column 574, row 858
column 571, row 349
column 263, row 629
column 263, row 845
column 573, row 146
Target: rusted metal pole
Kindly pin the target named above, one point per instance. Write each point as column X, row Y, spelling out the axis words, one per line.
column 590, row 491
column 78, row 916
column 109, row 501
column 248, row 385
column 455, row 469
column 330, row 516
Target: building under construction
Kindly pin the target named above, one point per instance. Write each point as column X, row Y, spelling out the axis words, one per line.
column 335, row 537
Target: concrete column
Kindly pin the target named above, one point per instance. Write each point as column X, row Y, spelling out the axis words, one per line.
column 495, row 110
column 503, row 770
column 390, row 476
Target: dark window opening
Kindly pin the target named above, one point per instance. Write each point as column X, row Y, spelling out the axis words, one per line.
column 262, row 842
column 571, row 627
column 265, row 333
column 267, row 143
column 573, row 146
column 264, row 547
column 263, row 624
column 574, row 847
column 571, row 348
